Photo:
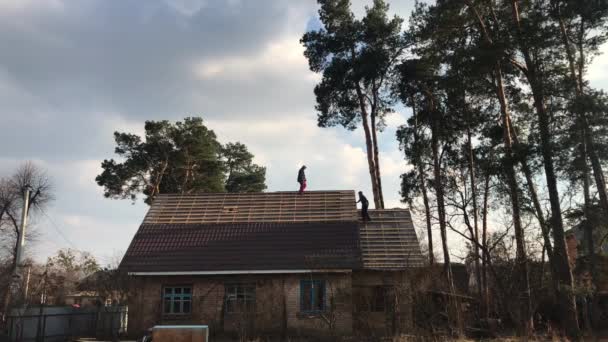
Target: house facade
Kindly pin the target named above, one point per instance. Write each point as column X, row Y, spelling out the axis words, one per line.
column 272, row 263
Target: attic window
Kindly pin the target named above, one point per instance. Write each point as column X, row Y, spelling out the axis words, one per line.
column 231, row 209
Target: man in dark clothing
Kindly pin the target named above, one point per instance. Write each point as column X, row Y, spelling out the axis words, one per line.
column 302, row 179
column 364, row 206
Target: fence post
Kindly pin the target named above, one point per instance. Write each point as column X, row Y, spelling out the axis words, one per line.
column 20, row 323
column 43, row 327
column 97, row 317
column 11, row 330
column 112, row 317
column 70, row 324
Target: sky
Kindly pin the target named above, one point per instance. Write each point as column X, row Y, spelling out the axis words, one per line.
column 73, row 72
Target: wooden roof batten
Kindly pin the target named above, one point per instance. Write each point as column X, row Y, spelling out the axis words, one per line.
column 214, row 208
column 389, row 241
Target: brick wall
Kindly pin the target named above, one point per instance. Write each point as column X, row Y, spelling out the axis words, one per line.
column 145, row 309
column 338, row 288
column 398, row 319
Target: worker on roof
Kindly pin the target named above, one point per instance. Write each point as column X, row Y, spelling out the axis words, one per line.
column 364, row 206
column 302, row 179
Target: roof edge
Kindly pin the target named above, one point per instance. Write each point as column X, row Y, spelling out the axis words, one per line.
column 172, row 273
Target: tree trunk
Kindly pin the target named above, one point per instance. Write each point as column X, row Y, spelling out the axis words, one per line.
column 475, row 218
column 8, row 296
column 158, row 178
column 540, row 216
column 589, row 241
column 369, row 148
column 427, row 212
column 564, row 275
column 598, row 174
column 484, row 245
column 521, row 259
column 439, row 193
column 377, row 161
column 425, row 198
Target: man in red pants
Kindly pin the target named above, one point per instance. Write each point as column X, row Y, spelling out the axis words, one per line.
column 302, row 179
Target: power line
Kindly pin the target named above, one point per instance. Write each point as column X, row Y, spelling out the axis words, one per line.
column 58, row 230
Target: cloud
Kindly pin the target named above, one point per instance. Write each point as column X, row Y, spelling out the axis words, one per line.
column 19, row 6
column 597, row 71
column 187, row 7
column 283, row 57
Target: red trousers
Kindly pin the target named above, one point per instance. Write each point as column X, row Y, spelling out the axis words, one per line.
column 302, row 186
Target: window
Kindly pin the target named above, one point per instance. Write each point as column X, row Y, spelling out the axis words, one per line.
column 240, row 298
column 177, row 300
column 312, row 296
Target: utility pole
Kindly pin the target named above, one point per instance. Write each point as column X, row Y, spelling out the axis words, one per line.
column 27, row 283
column 19, row 258
column 16, row 283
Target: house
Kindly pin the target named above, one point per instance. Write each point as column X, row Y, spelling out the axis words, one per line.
column 84, row 298
column 276, row 262
column 580, row 260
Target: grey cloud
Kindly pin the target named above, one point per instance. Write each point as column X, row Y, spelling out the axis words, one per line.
column 68, row 68
column 129, row 55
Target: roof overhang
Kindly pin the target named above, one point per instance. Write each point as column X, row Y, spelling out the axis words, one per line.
column 176, row 273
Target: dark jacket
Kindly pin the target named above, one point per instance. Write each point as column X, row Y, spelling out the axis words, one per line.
column 363, row 200
column 301, row 176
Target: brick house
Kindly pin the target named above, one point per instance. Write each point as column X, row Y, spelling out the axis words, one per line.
column 580, row 260
column 273, row 263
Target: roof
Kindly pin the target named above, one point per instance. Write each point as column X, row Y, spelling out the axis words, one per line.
column 389, row 240
column 319, row 230
column 311, row 206
column 242, row 246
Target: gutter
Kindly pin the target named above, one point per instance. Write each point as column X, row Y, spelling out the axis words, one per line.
column 174, row 273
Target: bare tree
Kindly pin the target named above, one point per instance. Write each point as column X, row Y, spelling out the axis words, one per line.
column 12, row 192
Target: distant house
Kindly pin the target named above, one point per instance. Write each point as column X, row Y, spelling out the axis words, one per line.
column 579, row 256
column 84, row 299
column 272, row 263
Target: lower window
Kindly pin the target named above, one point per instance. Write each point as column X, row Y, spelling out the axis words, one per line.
column 240, row 298
column 312, row 296
column 177, row 300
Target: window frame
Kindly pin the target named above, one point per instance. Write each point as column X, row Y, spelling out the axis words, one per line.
column 314, row 286
column 247, row 292
column 174, row 297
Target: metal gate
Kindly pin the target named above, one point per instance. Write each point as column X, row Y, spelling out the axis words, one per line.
column 64, row 323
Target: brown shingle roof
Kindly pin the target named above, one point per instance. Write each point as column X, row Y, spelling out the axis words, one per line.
column 269, row 231
column 243, row 246
column 389, row 241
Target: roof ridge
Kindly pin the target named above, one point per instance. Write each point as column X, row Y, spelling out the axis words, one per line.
column 256, row 193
